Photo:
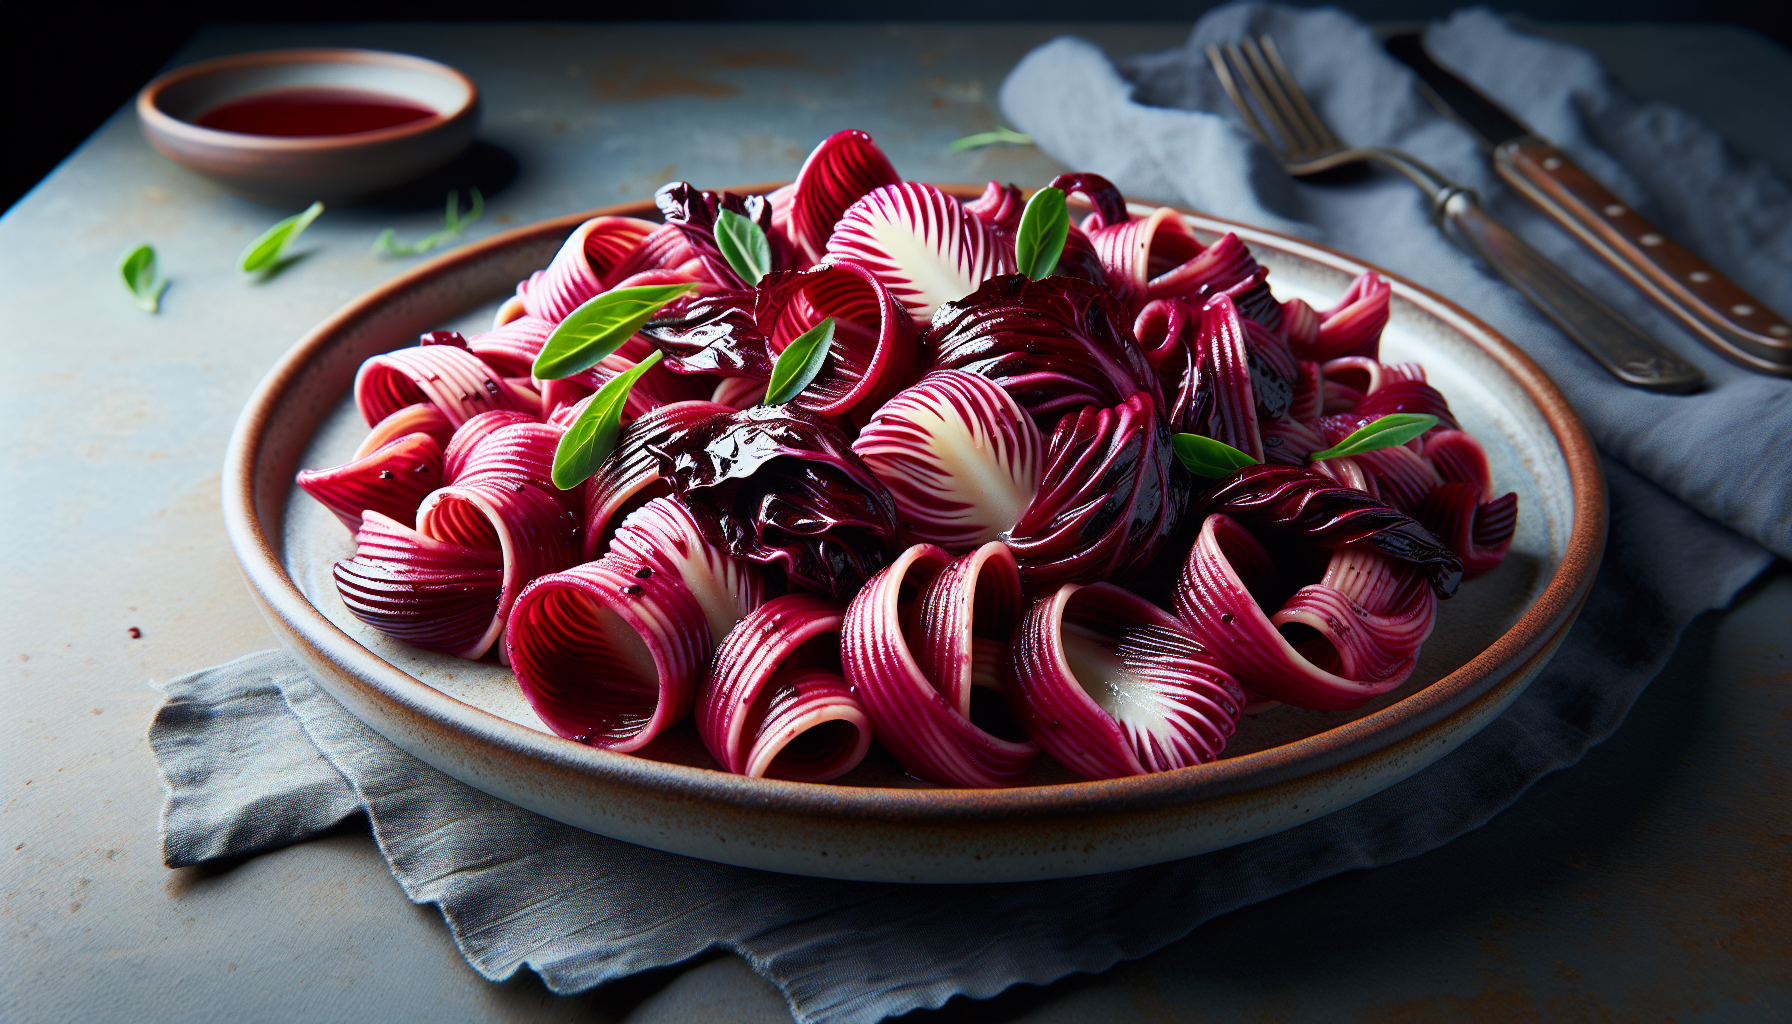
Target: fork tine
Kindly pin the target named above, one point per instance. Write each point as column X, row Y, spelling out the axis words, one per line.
column 1305, row 140
column 1224, row 73
column 1245, row 75
column 1311, row 117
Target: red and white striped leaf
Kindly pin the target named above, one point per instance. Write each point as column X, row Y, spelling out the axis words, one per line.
column 959, row 456
column 921, row 244
column 1111, row 685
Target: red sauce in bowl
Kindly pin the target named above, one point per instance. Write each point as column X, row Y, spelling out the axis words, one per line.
column 313, row 110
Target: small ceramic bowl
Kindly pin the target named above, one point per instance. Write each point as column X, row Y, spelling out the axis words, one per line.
column 295, row 170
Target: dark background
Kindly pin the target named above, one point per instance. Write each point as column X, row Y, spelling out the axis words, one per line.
column 71, row 65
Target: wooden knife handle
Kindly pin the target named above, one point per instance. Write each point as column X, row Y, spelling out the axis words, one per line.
column 1717, row 310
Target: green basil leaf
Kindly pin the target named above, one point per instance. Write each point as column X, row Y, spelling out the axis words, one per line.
column 592, row 437
column 1203, row 456
column 267, row 250
column 143, row 278
column 600, row 326
column 1394, row 429
column 1044, row 227
column 744, row 246
column 798, row 364
column 1007, row 135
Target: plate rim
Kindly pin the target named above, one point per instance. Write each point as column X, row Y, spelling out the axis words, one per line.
column 406, row 698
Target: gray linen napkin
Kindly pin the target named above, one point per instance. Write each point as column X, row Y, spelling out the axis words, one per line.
column 255, row 755
column 1162, row 129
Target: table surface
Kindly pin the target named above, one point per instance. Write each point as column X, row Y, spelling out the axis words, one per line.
column 1650, row 881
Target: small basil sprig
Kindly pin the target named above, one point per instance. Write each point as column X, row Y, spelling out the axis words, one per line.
column 143, row 278
column 1393, row 429
column 600, row 326
column 270, row 248
column 744, row 246
column 798, row 364
column 592, row 437
column 1044, row 228
column 386, row 246
column 1203, row 456
column 1001, row 134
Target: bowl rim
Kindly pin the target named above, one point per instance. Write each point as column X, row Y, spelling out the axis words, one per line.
column 150, row 111
column 412, row 702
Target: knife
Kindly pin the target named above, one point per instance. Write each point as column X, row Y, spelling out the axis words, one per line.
column 1717, row 311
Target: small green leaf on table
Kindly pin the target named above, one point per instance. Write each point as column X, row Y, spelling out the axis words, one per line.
column 270, row 248
column 143, row 278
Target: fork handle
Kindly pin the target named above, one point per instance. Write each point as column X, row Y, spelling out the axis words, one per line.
column 1630, row 355
column 1718, row 311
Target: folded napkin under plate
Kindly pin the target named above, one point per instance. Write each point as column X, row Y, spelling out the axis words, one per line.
column 255, row 755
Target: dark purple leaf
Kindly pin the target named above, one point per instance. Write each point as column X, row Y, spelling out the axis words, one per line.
column 1054, row 344
column 693, row 213
column 1293, row 504
column 1110, row 493
column 780, row 486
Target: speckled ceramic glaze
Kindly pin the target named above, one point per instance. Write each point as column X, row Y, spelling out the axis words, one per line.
column 1284, row 767
column 293, row 171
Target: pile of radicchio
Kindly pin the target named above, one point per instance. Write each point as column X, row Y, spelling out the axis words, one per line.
column 857, row 460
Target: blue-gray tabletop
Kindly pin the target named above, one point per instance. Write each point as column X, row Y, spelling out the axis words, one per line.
column 1648, row 882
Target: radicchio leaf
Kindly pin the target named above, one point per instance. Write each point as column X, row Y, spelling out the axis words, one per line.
column 840, row 171
column 1217, row 400
column 1110, row 205
column 453, row 379
column 586, row 265
column 605, row 656
column 1353, row 634
column 1110, row 493
column 921, row 244
column 1000, row 206
column 1111, row 685
column 740, row 333
column 960, row 458
column 630, row 477
column 779, row 486
column 776, row 678
column 907, row 658
column 1054, row 345
column 1352, row 327
column 693, row 213
column 1300, row 506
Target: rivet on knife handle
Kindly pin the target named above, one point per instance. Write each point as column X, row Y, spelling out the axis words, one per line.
column 1630, row 355
column 1733, row 322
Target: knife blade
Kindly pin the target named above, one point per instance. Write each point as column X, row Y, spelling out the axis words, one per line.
column 1717, row 311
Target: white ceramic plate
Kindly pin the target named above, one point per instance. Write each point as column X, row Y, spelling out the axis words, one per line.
column 1284, row 767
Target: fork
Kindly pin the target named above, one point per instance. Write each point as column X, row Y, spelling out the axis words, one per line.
column 1275, row 109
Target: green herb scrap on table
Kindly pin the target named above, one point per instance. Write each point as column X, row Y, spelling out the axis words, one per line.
column 386, row 245
column 1001, row 136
